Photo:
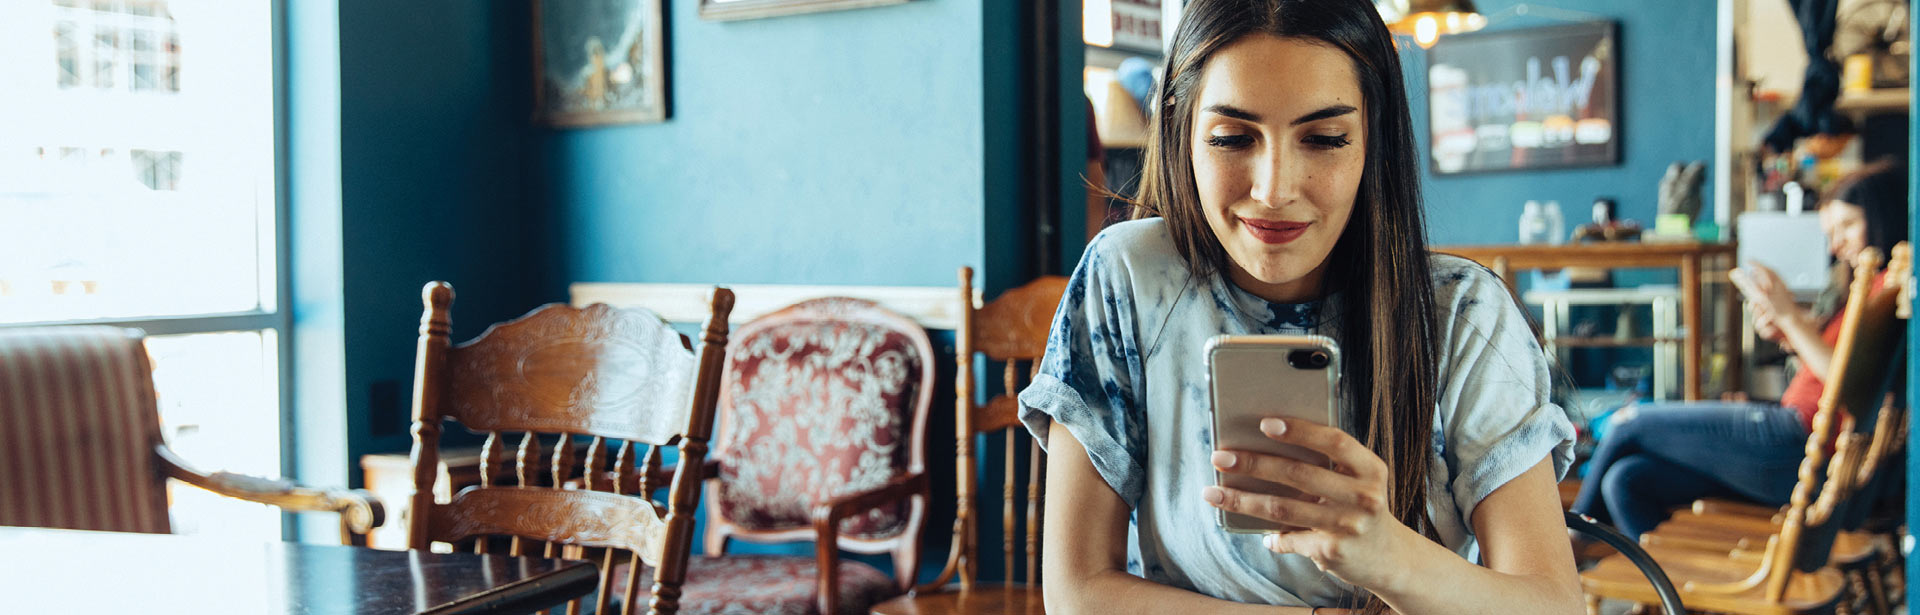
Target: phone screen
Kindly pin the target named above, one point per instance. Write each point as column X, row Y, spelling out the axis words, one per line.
column 1256, row 377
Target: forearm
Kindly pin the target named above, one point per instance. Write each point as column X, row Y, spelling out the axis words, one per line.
column 1439, row 582
column 1119, row 593
column 1086, row 546
column 1803, row 334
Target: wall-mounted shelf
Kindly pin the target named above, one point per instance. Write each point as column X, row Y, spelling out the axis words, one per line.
column 1875, row 101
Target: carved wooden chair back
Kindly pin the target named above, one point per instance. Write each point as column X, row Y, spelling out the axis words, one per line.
column 1856, row 383
column 1011, row 329
column 80, row 427
column 821, row 399
column 1889, row 426
column 619, row 377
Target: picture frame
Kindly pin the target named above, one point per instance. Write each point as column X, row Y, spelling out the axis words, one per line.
column 598, row 62
column 1524, row 99
column 728, row 10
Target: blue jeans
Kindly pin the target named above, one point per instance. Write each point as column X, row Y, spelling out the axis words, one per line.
column 1658, row 457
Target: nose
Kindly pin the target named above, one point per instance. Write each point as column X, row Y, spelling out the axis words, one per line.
column 1277, row 178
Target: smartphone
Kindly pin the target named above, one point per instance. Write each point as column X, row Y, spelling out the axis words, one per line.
column 1742, row 279
column 1253, row 377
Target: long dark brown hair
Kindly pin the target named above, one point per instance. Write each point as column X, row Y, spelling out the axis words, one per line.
column 1879, row 189
column 1379, row 265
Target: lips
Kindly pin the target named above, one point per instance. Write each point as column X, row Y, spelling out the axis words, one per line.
column 1274, row 231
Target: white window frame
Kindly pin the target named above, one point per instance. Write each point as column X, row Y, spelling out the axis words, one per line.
column 275, row 272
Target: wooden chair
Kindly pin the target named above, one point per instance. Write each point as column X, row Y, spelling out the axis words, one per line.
column 81, row 429
column 823, row 414
column 1741, row 529
column 1012, row 329
column 618, row 377
column 1792, row 574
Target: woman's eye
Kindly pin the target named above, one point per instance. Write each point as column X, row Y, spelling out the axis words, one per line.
column 1229, row 141
column 1328, row 141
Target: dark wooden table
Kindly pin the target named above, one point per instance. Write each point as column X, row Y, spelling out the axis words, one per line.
column 65, row 571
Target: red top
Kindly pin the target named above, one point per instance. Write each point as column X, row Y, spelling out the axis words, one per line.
column 1803, row 393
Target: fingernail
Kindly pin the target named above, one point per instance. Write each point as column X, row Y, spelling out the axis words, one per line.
column 1271, row 541
column 1273, row 427
column 1223, row 460
column 1213, row 495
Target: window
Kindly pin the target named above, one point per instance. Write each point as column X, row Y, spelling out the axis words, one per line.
column 137, row 189
column 135, row 45
column 157, row 170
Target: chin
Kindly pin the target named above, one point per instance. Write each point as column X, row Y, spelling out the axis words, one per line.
column 1277, row 275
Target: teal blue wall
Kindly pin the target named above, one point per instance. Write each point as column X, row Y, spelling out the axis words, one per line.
column 834, row 148
column 846, row 147
column 408, row 158
column 1666, row 92
column 434, row 144
column 838, row 148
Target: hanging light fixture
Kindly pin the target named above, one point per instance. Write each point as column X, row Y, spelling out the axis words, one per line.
column 1426, row 20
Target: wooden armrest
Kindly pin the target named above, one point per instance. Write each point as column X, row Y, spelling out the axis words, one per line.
column 828, row 514
column 826, row 524
column 359, row 510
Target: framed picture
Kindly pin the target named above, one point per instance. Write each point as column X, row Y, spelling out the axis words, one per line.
column 1525, row 99
column 721, row 10
column 599, row 62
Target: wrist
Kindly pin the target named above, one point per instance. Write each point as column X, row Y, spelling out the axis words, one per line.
column 1794, row 319
column 1409, row 561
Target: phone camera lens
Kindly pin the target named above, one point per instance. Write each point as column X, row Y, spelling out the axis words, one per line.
column 1309, row 359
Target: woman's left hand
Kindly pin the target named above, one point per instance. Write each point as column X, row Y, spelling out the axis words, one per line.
column 1350, row 532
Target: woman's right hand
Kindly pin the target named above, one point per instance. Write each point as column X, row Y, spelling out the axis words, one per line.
column 1767, row 325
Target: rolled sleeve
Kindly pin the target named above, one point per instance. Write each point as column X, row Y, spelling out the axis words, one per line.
column 1048, row 401
column 1494, row 411
column 1493, row 457
column 1088, row 376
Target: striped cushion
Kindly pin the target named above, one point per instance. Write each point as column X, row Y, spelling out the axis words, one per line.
column 78, row 423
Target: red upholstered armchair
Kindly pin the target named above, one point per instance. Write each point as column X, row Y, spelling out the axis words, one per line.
column 823, row 414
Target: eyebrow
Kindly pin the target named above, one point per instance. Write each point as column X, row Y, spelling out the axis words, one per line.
column 1243, row 114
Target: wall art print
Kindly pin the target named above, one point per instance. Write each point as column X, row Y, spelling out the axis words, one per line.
column 1525, row 99
column 599, row 62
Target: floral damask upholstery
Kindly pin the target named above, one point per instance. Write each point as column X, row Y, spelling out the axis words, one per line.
column 812, row 410
column 766, row 585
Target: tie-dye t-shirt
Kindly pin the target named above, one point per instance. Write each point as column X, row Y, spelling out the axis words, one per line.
column 1124, row 372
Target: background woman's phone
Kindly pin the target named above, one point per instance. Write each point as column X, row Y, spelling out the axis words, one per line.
column 1253, row 377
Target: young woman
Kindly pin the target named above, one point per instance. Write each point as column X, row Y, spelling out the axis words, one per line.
column 1652, row 458
column 1281, row 196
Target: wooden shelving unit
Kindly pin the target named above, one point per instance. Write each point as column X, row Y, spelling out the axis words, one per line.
column 1874, row 101
column 1614, row 342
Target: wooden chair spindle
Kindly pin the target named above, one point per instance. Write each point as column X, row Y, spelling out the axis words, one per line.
column 633, row 585
column 1007, row 518
column 493, row 456
column 562, row 470
column 593, row 476
column 529, row 477
column 649, row 467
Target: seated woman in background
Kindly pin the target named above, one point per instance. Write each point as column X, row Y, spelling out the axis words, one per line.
column 1281, row 195
column 1654, row 458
